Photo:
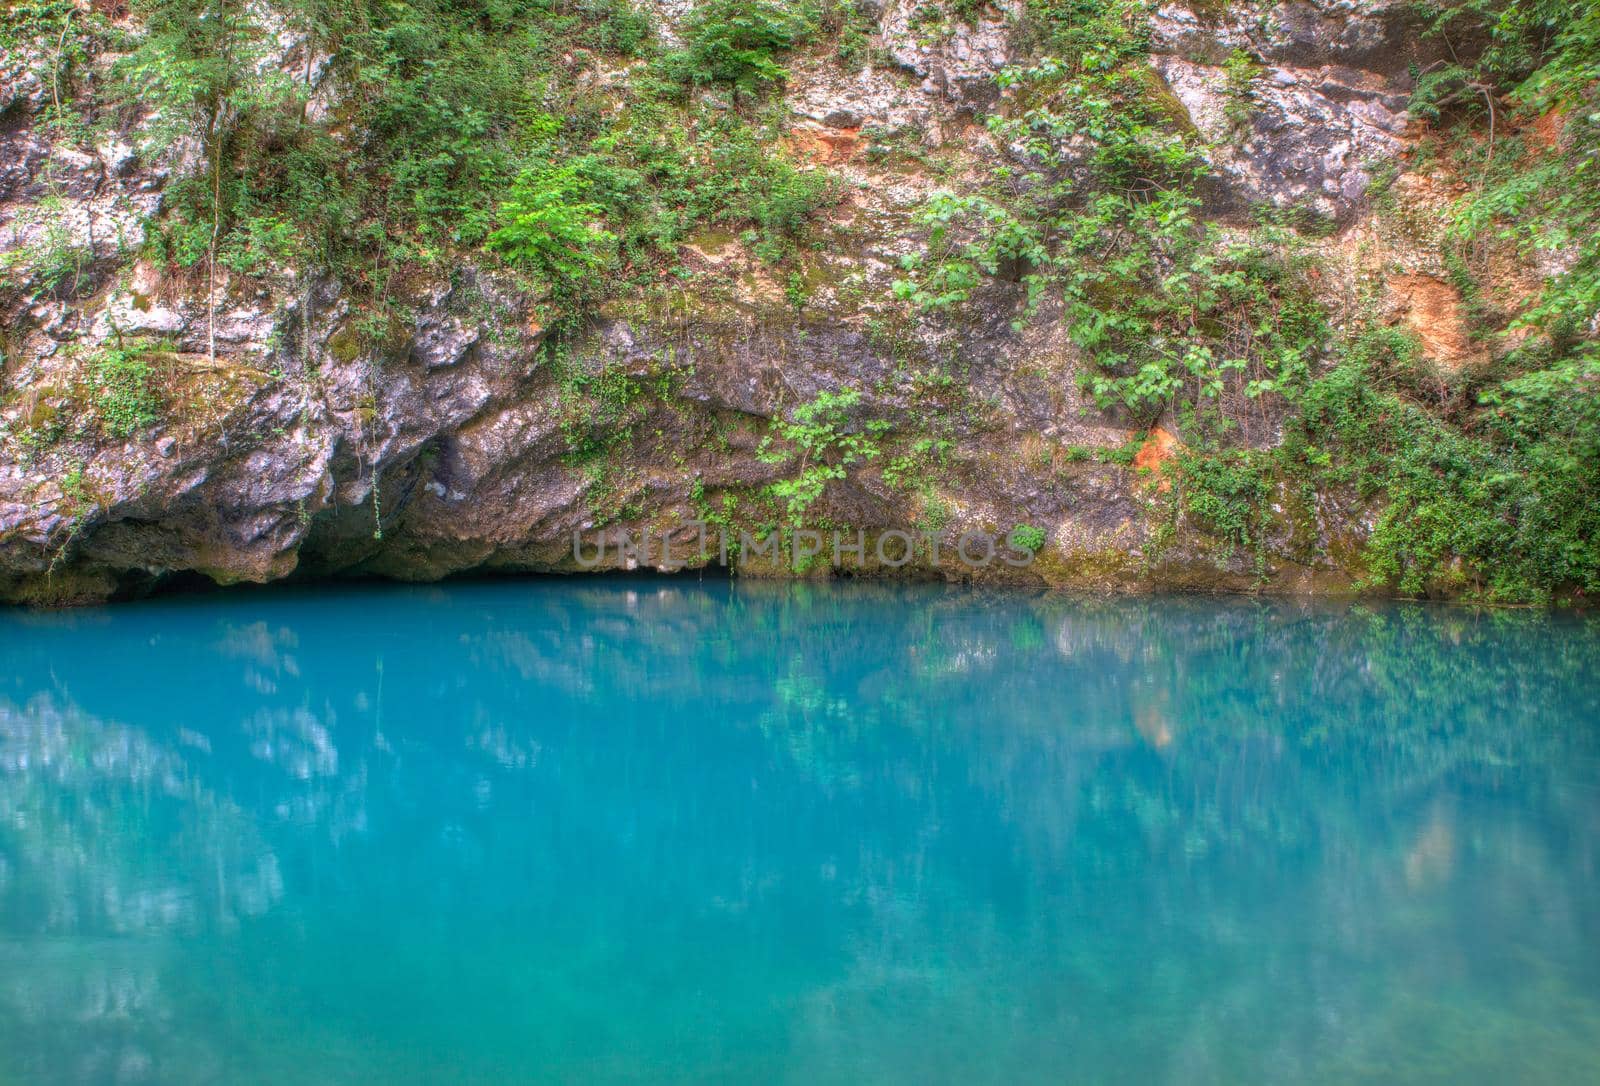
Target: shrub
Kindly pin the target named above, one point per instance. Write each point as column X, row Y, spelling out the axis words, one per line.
column 550, row 229
column 736, row 42
column 1028, row 537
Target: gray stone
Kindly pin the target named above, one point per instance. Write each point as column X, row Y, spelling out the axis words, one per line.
column 443, row 342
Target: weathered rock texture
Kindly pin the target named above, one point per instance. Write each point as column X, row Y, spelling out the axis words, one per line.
column 303, row 450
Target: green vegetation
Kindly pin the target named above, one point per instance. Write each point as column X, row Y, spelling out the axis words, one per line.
column 410, row 136
column 1228, row 493
column 913, row 468
column 1241, row 70
column 77, row 505
column 826, row 443
column 738, row 43
column 467, row 128
column 114, row 393
column 564, row 145
column 54, row 264
column 1482, row 482
column 57, row 35
column 1171, row 312
column 124, row 394
column 549, row 229
column 198, row 69
column 1504, row 505
column 1491, row 487
column 1028, row 537
column 1540, row 59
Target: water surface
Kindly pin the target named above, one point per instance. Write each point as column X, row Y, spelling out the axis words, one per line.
column 664, row 830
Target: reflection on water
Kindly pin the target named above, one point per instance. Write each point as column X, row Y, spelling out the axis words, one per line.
column 669, row 831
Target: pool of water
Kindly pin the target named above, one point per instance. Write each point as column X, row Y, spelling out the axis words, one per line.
column 665, row 830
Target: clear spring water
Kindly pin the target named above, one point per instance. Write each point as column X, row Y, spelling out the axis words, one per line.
column 660, row 830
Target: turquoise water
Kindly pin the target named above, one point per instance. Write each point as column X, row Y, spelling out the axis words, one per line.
column 664, row 830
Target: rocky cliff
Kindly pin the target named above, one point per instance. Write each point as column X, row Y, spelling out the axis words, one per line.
column 210, row 411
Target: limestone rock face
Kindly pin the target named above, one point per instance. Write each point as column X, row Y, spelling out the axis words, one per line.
column 1324, row 104
column 955, row 59
column 320, row 439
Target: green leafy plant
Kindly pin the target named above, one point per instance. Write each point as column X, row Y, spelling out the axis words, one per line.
column 1028, row 537
column 1241, row 72
column 970, row 237
column 1476, row 482
column 122, row 380
column 737, row 42
column 1228, row 494
column 57, row 39
column 550, row 229
column 1508, row 511
column 821, row 438
column 912, row 468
